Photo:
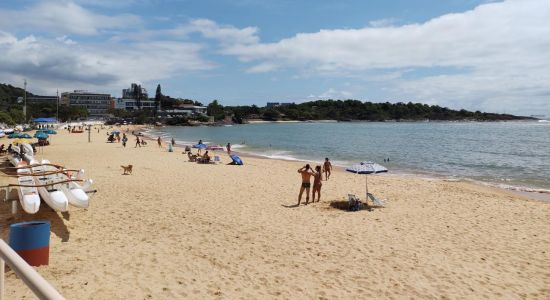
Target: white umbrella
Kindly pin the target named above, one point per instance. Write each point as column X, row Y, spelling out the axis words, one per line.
column 366, row 167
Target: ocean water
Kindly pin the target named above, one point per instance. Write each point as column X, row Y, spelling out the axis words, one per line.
column 508, row 154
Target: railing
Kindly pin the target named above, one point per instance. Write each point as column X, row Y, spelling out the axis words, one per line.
column 38, row 285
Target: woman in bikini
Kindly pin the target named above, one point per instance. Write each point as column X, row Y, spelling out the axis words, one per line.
column 317, row 184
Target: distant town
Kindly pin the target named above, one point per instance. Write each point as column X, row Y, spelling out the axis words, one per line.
column 136, row 105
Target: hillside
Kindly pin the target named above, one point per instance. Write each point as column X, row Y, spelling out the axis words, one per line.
column 9, row 93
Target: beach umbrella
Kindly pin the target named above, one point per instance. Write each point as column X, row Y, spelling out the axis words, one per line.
column 21, row 141
column 366, row 167
column 41, row 135
column 199, row 146
column 236, row 160
column 25, row 136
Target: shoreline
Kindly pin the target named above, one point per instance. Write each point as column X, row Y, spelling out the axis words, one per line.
column 538, row 194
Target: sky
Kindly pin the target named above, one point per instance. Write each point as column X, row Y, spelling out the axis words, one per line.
column 483, row 55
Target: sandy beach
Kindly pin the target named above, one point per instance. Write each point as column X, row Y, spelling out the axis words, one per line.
column 175, row 229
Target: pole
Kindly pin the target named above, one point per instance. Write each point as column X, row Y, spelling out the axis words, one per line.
column 89, row 133
column 367, row 186
column 2, row 272
column 25, row 101
column 57, row 111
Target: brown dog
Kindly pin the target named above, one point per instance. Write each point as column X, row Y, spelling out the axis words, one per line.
column 127, row 169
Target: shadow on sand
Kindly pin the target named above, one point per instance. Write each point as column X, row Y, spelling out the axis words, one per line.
column 344, row 205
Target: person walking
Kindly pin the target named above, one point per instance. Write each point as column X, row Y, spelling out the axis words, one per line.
column 159, row 141
column 124, row 140
column 138, row 143
column 327, row 166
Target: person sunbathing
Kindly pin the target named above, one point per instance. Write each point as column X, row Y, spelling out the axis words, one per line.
column 205, row 158
column 192, row 157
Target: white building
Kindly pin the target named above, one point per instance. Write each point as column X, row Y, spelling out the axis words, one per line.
column 131, row 104
column 96, row 104
column 187, row 110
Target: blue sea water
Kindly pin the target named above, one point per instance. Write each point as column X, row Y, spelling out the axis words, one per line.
column 513, row 154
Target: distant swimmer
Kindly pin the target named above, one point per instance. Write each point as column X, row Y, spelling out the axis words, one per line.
column 327, row 166
column 306, row 173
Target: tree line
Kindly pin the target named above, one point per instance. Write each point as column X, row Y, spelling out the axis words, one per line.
column 11, row 111
column 352, row 110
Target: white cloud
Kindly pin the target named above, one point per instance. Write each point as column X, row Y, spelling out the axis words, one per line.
column 53, row 63
column 495, row 51
column 65, row 40
column 332, row 93
column 64, row 17
column 383, row 22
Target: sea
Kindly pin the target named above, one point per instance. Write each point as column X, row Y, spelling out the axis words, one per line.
column 512, row 155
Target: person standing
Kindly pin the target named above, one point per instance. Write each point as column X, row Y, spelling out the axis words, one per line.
column 159, row 141
column 173, row 142
column 306, row 173
column 124, row 140
column 327, row 166
column 317, row 184
column 228, row 148
column 138, row 143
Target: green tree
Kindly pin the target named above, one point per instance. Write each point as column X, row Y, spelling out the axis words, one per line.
column 158, row 99
column 6, row 118
column 216, row 110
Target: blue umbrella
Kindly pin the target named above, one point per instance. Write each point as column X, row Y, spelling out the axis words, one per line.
column 366, row 167
column 41, row 135
column 24, row 136
column 236, row 160
column 199, row 146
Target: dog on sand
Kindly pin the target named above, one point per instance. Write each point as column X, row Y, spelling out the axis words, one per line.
column 127, row 169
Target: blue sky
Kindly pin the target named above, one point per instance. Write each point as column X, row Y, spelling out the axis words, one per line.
column 473, row 54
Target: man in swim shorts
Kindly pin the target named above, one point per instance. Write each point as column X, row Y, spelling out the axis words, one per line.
column 306, row 173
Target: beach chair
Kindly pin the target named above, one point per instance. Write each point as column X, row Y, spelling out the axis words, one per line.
column 375, row 200
column 217, row 159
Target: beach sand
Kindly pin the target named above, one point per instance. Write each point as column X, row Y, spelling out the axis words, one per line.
column 175, row 229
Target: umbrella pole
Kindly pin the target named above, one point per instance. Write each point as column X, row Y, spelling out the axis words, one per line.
column 367, row 187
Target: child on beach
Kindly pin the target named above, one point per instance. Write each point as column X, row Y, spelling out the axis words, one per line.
column 328, row 167
column 306, row 173
column 317, row 184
